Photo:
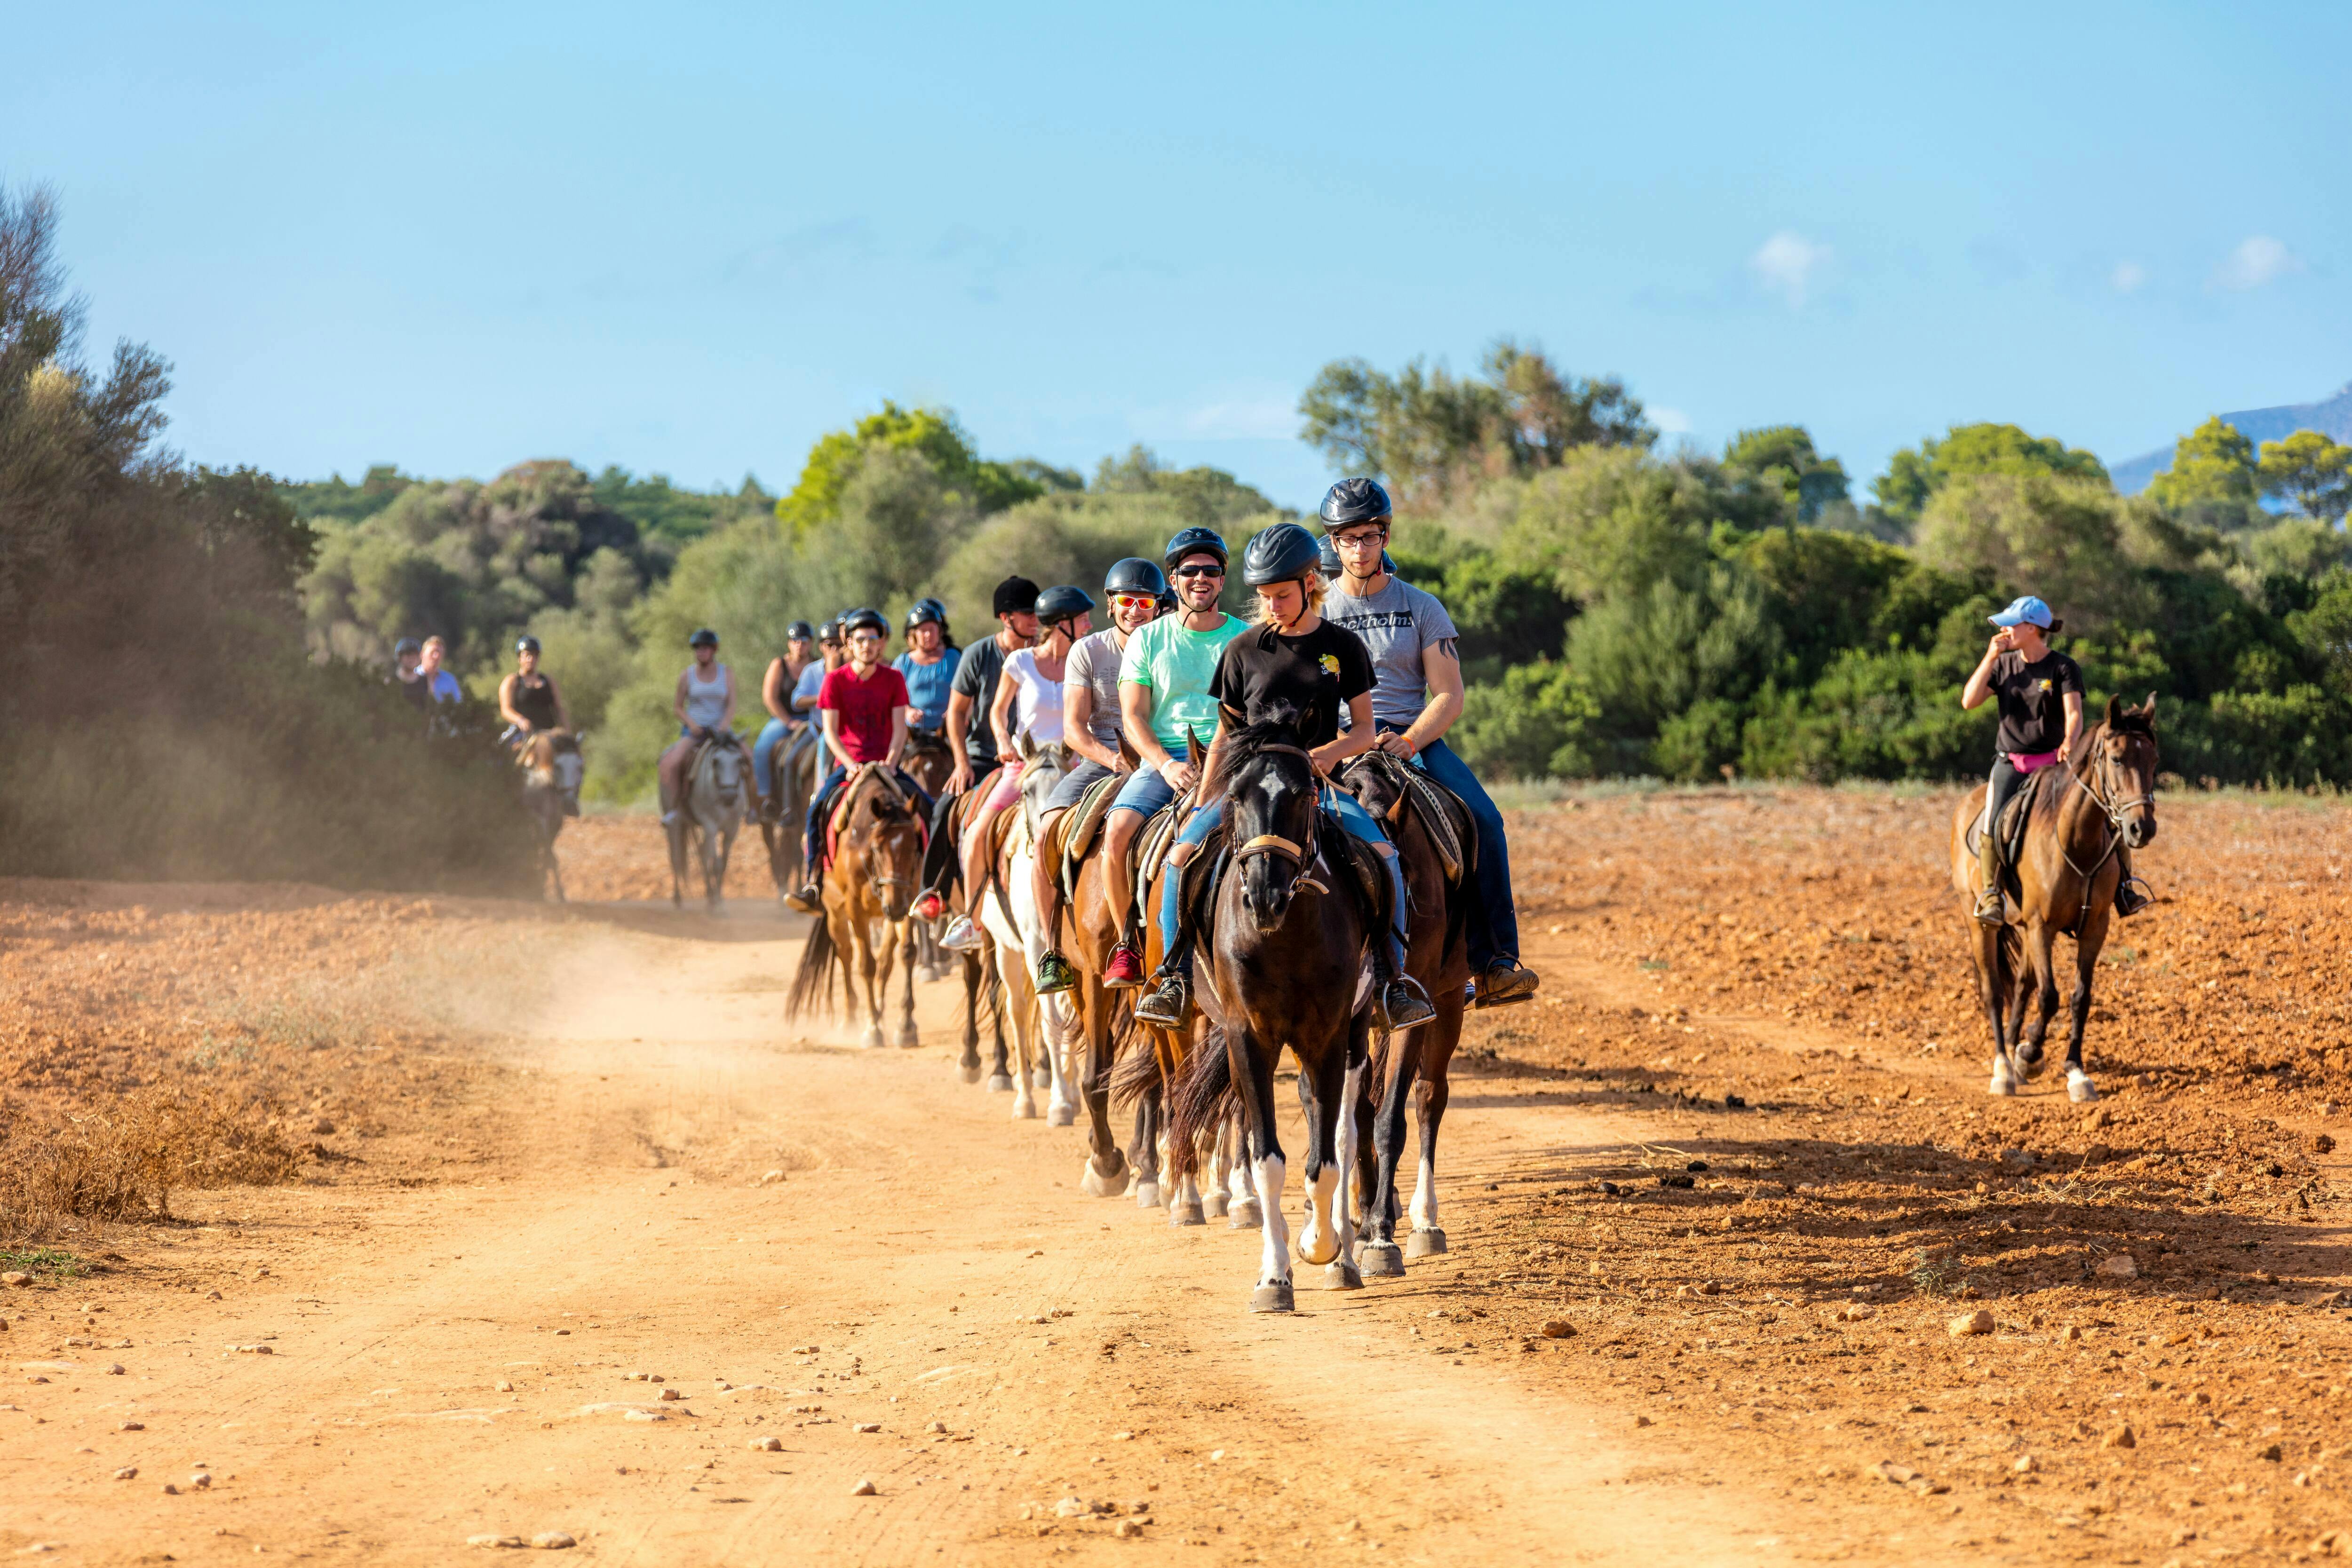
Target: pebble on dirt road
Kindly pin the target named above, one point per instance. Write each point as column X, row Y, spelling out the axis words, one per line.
column 863, row 1489
column 1977, row 1323
column 770, row 1444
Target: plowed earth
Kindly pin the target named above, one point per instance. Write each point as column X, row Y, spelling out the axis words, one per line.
column 567, row 1147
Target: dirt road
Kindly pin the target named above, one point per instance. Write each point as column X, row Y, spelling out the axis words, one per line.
column 438, row 1364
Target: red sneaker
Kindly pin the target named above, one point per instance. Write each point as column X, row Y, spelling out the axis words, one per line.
column 1124, row 970
column 930, row 906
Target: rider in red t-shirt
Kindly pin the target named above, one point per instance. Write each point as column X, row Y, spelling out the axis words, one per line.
column 863, row 705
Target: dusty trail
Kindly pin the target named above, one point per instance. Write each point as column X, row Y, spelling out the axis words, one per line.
column 939, row 1265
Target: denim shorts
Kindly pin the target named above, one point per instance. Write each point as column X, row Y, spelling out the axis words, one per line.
column 1144, row 791
column 1075, row 783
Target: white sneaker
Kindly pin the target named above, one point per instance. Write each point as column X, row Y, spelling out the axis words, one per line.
column 669, row 818
column 962, row 935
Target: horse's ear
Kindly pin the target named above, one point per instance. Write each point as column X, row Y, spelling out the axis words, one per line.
column 2114, row 707
column 2149, row 708
column 1192, row 747
column 1024, row 746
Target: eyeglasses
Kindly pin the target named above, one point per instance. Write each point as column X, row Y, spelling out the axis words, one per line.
column 1134, row 600
column 1200, row 571
column 1370, row 538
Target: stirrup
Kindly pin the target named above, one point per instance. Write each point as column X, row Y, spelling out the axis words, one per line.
column 1118, row 977
column 928, row 905
column 805, row 899
column 1988, row 907
column 962, row 936
column 1055, row 973
column 1401, row 1005
column 2132, row 895
column 1504, row 982
column 1167, row 1003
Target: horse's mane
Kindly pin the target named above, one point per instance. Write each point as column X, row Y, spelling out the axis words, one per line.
column 1248, row 744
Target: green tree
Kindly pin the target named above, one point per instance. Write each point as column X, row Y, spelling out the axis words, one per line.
column 2212, row 476
column 834, row 460
column 1915, row 474
column 1780, row 460
column 1432, row 435
column 2310, row 470
column 2061, row 539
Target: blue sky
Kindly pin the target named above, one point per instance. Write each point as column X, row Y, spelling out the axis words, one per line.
column 691, row 238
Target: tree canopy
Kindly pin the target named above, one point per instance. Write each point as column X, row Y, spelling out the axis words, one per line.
column 834, row 460
column 1915, row 473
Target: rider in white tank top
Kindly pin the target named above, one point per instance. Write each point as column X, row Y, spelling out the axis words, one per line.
column 706, row 701
column 1036, row 701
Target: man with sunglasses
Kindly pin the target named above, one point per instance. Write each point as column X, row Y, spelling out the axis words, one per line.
column 1416, row 698
column 1091, row 731
column 1163, row 687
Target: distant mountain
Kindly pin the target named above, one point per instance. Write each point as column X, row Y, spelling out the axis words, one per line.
column 2332, row 418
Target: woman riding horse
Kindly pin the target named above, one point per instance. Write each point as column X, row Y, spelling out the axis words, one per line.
column 2040, row 692
column 705, row 705
column 779, row 690
column 1297, row 660
column 527, row 698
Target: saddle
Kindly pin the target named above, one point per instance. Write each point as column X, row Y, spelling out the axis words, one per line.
column 1078, row 828
column 1450, row 827
column 2014, row 816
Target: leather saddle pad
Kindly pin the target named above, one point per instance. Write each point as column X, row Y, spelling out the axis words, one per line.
column 2013, row 819
column 1158, row 837
column 1094, row 808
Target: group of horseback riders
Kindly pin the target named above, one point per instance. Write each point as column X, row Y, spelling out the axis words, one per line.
column 1366, row 660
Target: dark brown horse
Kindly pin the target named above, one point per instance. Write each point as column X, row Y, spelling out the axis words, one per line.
column 877, row 861
column 981, row 990
column 1286, row 968
column 930, row 763
column 551, row 769
column 1414, row 1065
column 2101, row 796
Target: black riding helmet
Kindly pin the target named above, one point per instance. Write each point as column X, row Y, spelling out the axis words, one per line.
column 1134, row 575
column 926, row 613
column 800, row 632
column 406, row 646
column 1062, row 603
column 706, row 638
column 1013, row 596
column 1279, row 554
column 830, row 631
column 526, row 644
column 1353, row 501
column 863, row 620
column 1196, row 541
column 1169, row 602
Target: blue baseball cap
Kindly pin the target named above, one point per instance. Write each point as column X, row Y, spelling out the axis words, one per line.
column 2026, row 609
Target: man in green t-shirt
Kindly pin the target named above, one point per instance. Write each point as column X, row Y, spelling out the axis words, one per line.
column 1164, row 690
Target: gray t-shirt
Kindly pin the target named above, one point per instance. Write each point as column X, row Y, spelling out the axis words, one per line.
column 975, row 677
column 1094, row 663
column 1398, row 624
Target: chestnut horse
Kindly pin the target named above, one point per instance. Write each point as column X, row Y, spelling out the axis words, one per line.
column 2102, row 794
column 877, row 862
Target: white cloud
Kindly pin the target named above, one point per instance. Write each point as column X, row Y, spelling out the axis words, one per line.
column 1786, row 263
column 1669, row 421
column 2127, row 277
column 2259, row 259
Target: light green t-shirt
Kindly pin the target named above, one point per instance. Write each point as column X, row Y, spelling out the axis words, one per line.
column 1177, row 664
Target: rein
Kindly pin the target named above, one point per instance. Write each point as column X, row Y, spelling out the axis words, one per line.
column 1302, row 855
column 2115, row 812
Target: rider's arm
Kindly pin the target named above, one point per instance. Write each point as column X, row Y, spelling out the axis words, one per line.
column 2074, row 723
column 506, row 702
column 959, row 721
column 678, row 703
column 1979, row 685
column 1135, row 710
column 1442, row 672
column 897, row 737
column 562, row 709
column 1353, row 740
column 832, row 718
column 1077, row 713
column 999, row 713
column 772, row 690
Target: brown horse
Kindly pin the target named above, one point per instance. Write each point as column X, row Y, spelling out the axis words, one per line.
column 980, row 987
column 551, row 767
column 1437, row 953
column 1287, row 967
column 930, row 763
column 871, row 880
column 2064, row 880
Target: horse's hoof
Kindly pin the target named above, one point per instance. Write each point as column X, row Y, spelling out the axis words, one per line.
column 1274, row 1299
column 1246, row 1216
column 1096, row 1185
column 1147, row 1193
column 2079, row 1087
column 2004, row 1083
column 1341, row 1275
column 926, row 973
column 1425, row 1244
column 909, row 1038
column 1186, row 1214
column 2034, row 1064
column 1025, row 1110
column 872, row 1039
column 1214, row 1205
column 1382, row 1260
column 1062, row 1115
column 969, row 1074
column 1002, row 1083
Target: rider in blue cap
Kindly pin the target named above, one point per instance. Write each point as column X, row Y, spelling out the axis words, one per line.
column 2040, row 691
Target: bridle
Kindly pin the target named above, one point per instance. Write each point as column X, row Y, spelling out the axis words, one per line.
column 1304, row 856
column 2117, row 809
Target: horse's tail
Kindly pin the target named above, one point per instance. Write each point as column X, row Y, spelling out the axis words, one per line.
column 1135, row 1073
column 1199, row 1100
column 813, row 984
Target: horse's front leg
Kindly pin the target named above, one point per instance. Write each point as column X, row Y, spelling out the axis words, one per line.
column 1428, row 1237
column 676, row 832
column 903, row 939
column 974, row 982
column 2040, row 944
column 1027, row 1025
column 1241, row 1181
column 1253, row 1073
column 1382, row 1258
column 864, row 927
column 1143, row 1149
column 1329, row 1237
column 1106, row 1170
column 2079, row 1087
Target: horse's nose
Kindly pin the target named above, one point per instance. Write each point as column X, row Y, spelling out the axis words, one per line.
column 2138, row 830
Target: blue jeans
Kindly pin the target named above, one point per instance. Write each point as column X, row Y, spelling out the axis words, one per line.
column 1145, row 792
column 1361, row 826
column 824, row 803
column 1494, row 933
column 763, row 762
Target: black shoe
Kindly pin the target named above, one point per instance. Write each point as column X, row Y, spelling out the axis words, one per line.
column 1988, row 909
column 806, row 900
column 1505, row 980
column 1399, row 1006
column 2129, row 898
column 1168, row 1003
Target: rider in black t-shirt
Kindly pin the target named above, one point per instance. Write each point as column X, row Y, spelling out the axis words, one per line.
column 2039, row 693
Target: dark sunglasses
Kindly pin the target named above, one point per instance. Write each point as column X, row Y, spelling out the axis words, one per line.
column 1200, row 571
